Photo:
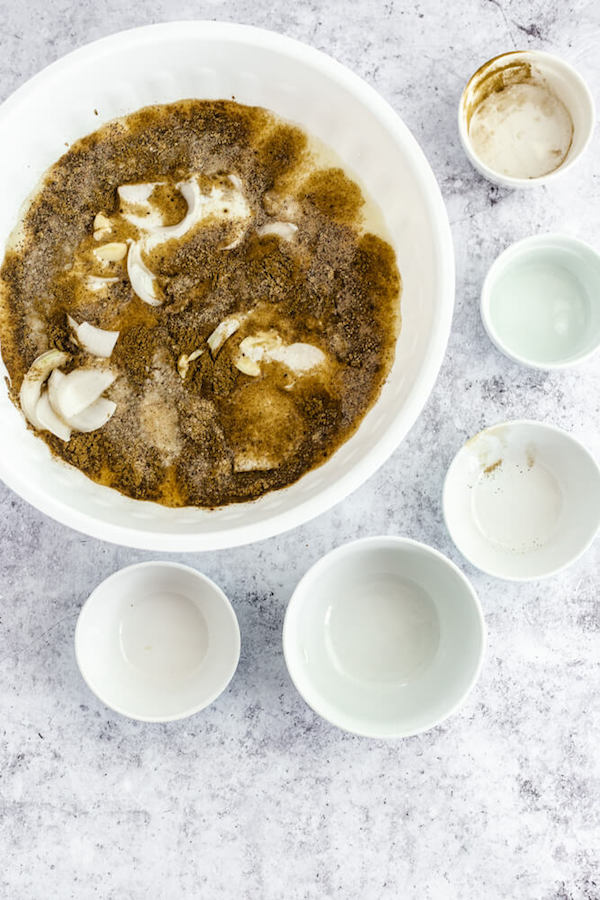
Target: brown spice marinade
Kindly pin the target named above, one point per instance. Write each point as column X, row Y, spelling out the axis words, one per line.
column 333, row 286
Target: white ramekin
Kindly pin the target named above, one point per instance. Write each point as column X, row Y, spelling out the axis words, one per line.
column 522, row 500
column 384, row 637
column 564, row 81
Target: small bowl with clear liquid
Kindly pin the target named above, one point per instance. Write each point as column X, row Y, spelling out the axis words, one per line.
column 157, row 641
column 540, row 302
column 384, row 637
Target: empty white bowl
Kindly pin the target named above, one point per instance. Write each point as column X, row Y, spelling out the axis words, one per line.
column 526, row 135
column 384, row 637
column 157, row 641
column 540, row 302
column 522, row 500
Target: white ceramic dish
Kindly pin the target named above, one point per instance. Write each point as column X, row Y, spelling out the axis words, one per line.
column 163, row 63
column 522, row 500
column 564, row 81
column 157, row 641
column 540, row 302
column 384, row 637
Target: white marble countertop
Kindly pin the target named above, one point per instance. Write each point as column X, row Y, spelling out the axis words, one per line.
column 257, row 797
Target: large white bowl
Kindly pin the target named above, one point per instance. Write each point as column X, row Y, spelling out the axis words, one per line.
column 162, row 63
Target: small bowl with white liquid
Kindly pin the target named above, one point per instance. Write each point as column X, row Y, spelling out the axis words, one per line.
column 157, row 641
column 540, row 301
column 521, row 500
column 525, row 117
column 384, row 637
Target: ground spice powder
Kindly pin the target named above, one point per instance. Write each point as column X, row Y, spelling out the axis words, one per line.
column 187, row 441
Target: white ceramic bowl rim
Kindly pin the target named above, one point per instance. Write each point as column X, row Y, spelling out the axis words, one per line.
column 495, row 573
column 189, row 711
column 277, row 521
column 511, row 181
column 344, row 550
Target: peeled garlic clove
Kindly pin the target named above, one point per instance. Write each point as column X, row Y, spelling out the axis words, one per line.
column 138, row 195
column 53, row 383
column 31, row 387
column 48, row 419
column 284, row 230
column 248, row 462
column 98, row 282
column 112, row 252
column 235, row 243
column 300, row 357
column 102, row 227
column 71, row 394
column 224, row 203
column 257, row 346
column 96, row 341
column 140, row 276
column 183, row 363
column 247, row 366
column 94, row 416
column 101, row 221
column 194, row 198
column 222, row 332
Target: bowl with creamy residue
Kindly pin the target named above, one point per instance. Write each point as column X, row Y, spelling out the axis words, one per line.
column 524, row 118
column 164, row 63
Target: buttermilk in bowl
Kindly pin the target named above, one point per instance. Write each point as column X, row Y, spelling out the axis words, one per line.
column 198, row 305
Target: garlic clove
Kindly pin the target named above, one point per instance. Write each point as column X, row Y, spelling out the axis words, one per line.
column 268, row 346
column 111, row 252
column 284, row 230
column 71, row 394
column 299, row 357
column 137, row 193
column 247, row 366
column 102, row 227
column 98, row 282
column 249, row 462
column 183, row 363
column 225, row 203
column 138, row 196
column 94, row 416
column 96, row 341
column 48, row 419
column 140, row 276
column 35, row 377
column 102, row 222
column 222, row 332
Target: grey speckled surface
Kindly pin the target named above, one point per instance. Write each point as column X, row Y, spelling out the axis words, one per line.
column 257, row 797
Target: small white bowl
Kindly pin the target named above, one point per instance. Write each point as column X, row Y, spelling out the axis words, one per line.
column 540, row 301
column 522, row 500
column 384, row 637
column 517, row 67
column 157, row 641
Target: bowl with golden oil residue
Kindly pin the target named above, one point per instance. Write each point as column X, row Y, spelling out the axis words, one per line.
column 525, row 117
